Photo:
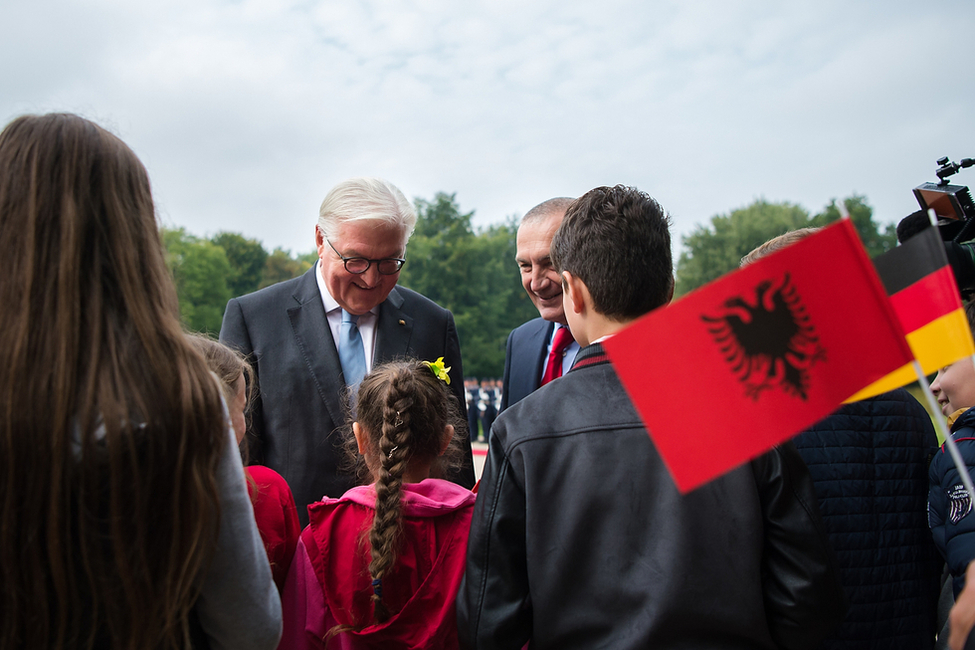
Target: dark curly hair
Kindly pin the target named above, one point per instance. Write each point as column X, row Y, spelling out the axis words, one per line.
column 617, row 241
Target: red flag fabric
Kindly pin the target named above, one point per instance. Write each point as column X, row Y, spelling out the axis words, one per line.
column 759, row 354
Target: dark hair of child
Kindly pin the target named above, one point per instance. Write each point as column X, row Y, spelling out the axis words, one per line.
column 404, row 410
column 227, row 364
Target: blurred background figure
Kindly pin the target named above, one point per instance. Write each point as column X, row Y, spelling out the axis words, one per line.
column 489, row 399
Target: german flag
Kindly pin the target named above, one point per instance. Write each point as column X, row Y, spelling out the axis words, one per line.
column 925, row 298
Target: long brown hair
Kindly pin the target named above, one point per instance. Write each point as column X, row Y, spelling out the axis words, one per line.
column 404, row 410
column 110, row 425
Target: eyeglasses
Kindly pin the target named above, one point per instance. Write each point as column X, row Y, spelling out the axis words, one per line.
column 359, row 265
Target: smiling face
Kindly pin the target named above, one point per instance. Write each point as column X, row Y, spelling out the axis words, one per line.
column 538, row 276
column 954, row 387
column 374, row 240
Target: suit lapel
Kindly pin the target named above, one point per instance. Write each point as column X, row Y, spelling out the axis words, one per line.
column 539, row 343
column 314, row 340
column 394, row 329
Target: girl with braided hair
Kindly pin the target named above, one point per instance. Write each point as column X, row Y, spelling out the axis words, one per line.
column 380, row 566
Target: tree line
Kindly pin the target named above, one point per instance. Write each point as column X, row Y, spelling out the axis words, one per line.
column 710, row 251
column 472, row 271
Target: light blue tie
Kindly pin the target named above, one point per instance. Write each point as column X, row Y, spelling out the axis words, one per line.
column 351, row 353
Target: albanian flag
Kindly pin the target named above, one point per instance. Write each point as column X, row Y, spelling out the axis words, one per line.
column 745, row 362
column 925, row 298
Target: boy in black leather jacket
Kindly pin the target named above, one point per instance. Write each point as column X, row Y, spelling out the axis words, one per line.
column 580, row 538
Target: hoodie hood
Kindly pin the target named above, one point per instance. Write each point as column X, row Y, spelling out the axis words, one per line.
column 421, row 587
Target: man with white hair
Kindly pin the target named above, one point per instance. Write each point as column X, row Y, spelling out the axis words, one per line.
column 313, row 337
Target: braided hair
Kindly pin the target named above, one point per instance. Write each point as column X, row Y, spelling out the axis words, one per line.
column 404, row 410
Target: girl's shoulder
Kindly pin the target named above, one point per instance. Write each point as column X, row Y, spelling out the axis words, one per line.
column 265, row 476
column 431, row 497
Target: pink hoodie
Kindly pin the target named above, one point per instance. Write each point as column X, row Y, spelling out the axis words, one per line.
column 329, row 582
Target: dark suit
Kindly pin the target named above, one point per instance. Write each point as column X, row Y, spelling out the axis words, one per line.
column 524, row 359
column 285, row 334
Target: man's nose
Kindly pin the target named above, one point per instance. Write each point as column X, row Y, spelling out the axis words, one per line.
column 539, row 280
column 371, row 276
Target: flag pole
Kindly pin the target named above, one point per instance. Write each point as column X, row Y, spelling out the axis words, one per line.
column 841, row 207
column 942, row 426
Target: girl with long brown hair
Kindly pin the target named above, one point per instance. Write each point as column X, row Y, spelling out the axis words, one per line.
column 124, row 517
column 380, row 566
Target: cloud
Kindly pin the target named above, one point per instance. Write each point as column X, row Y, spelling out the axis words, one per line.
column 246, row 113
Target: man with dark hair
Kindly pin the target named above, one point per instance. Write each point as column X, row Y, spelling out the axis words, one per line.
column 581, row 539
column 543, row 348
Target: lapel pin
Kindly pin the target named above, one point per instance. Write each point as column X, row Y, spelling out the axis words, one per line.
column 402, row 322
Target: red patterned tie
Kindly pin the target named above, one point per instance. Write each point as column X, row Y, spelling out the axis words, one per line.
column 553, row 369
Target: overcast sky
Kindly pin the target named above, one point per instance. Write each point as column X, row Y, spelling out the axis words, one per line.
column 247, row 112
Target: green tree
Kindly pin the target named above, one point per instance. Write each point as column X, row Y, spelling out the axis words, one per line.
column 280, row 266
column 501, row 303
column 201, row 271
column 438, row 260
column 711, row 251
column 471, row 274
column 861, row 214
column 310, row 258
column 246, row 257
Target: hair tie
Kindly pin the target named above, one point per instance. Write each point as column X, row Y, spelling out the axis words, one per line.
column 377, row 587
column 438, row 370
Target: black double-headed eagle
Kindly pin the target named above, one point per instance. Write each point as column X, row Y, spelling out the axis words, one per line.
column 770, row 341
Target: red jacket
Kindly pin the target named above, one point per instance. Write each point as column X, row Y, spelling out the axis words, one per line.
column 329, row 582
column 276, row 516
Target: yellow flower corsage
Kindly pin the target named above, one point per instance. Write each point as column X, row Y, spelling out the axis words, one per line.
column 437, row 368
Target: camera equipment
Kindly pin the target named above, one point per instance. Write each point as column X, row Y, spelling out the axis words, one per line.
column 956, row 220
column 952, row 203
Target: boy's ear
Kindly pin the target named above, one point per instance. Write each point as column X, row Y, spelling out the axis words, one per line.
column 670, row 295
column 574, row 290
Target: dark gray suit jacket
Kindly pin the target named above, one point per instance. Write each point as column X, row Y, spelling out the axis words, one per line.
column 299, row 409
column 524, row 358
